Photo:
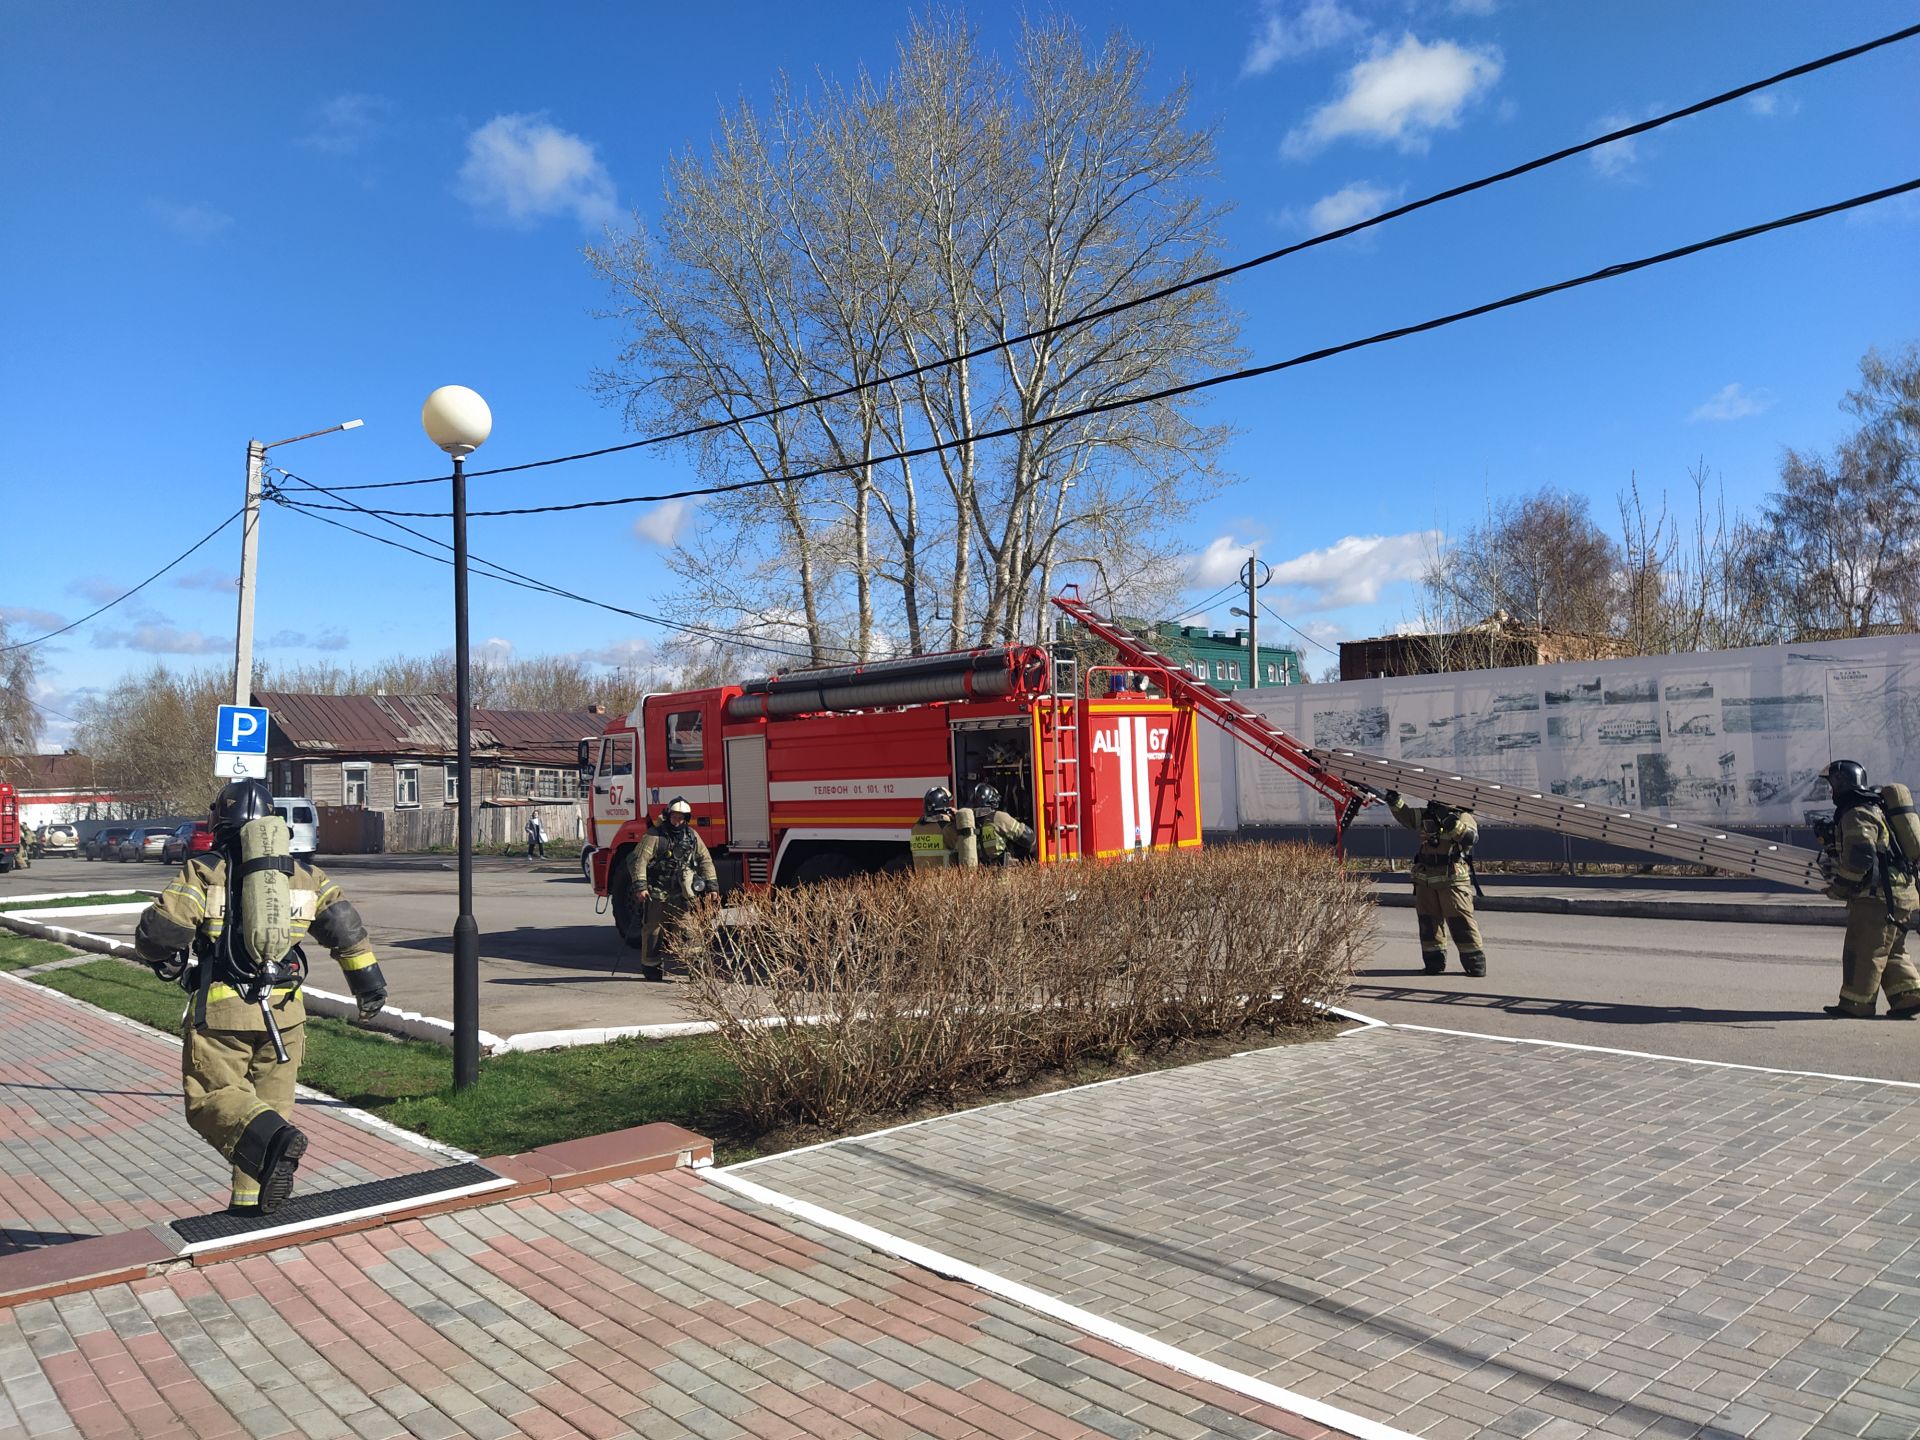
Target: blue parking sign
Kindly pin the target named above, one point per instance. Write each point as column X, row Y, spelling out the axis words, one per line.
column 242, row 730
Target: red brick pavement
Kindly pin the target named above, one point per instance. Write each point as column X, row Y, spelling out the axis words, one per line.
column 654, row 1307
column 93, row 1141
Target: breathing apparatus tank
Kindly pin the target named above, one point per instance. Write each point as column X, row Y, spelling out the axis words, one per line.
column 966, row 845
column 1896, row 803
column 266, row 891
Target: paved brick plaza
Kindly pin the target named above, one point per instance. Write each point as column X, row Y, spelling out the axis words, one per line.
column 93, row 1139
column 1457, row 1236
column 658, row 1307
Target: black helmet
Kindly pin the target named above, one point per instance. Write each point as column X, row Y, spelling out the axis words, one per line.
column 1847, row 779
column 985, row 797
column 238, row 802
column 935, row 800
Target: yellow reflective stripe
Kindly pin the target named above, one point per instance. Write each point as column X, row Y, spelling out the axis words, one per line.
column 227, row 992
column 327, row 894
column 350, row 963
column 1856, row 997
column 187, row 892
column 246, row 1195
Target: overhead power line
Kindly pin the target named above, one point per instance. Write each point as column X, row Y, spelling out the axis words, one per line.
column 131, row 593
column 1626, row 132
column 492, row 571
column 1268, row 607
column 1609, row 272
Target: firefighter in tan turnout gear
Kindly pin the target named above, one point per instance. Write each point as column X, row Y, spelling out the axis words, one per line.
column 999, row 838
column 667, row 871
column 1443, row 882
column 242, row 910
column 935, row 837
column 1868, row 856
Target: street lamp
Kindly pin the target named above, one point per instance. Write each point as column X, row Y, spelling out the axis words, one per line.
column 458, row 421
column 250, row 555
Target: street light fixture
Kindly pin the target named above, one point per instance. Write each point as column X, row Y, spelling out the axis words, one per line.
column 459, row 422
column 250, row 555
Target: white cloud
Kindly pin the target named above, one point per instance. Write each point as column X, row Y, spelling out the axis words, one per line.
column 1351, row 204
column 1772, row 102
column 97, row 588
column 1733, row 402
column 1400, row 93
column 621, row 654
column 328, row 639
column 663, row 523
column 347, row 123
column 521, row 169
column 1219, row 563
column 1352, row 570
column 494, row 650
column 198, row 223
column 210, row 578
column 1316, row 25
column 162, row 639
column 31, row 619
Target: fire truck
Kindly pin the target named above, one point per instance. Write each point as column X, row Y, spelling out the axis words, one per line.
column 820, row 773
column 11, row 839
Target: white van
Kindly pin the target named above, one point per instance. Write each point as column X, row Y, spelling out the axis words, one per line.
column 298, row 812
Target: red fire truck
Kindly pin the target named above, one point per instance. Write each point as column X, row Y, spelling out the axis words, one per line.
column 819, row 773
column 10, row 838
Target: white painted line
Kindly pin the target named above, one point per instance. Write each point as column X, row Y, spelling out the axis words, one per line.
column 119, row 907
column 275, row 1232
column 1053, row 1308
column 8, row 901
column 1649, row 1055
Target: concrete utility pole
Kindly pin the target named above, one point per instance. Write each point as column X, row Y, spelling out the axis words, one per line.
column 250, row 555
column 1253, row 575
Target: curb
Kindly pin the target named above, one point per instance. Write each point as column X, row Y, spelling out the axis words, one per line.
column 1763, row 914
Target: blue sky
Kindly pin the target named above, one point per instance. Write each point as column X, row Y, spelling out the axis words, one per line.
column 227, row 221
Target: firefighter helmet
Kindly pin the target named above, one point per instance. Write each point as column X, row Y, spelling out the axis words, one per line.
column 985, row 797
column 936, row 800
column 679, row 806
column 238, row 802
column 1847, row 778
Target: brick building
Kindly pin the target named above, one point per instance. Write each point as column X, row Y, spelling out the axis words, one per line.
column 1497, row 643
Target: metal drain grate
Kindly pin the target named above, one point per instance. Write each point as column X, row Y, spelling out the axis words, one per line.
column 323, row 1205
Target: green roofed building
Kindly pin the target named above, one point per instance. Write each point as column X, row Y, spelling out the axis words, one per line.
column 1223, row 660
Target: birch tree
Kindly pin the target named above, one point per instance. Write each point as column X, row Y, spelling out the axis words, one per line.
column 864, row 231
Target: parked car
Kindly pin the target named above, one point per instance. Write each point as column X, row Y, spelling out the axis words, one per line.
column 101, row 844
column 153, row 843
column 302, row 823
column 56, row 840
column 133, row 844
column 193, row 838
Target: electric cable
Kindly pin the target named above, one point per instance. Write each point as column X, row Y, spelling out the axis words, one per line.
column 1268, row 607
column 1625, row 132
column 506, row 576
column 1609, row 272
column 1210, row 601
column 24, row 644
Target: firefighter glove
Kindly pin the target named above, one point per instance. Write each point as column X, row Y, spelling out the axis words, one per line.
column 371, row 1002
column 1393, row 797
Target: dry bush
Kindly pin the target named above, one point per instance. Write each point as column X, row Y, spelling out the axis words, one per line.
column 864, row 997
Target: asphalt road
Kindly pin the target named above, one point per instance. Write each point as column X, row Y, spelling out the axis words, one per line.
column 1713, row 990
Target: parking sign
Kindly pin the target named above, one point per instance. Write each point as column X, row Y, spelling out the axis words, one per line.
column 240, row 743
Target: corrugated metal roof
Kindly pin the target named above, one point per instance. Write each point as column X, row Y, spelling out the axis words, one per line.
column 421, row 725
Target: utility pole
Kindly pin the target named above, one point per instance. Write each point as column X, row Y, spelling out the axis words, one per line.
column 1253, row 575
column 250, row 555
column 249, row 563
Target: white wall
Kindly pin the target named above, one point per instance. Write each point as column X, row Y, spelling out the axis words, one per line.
column 1732, row 736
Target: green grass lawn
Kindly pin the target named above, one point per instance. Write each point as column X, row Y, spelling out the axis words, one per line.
column 118, row 897
column 520, row 1103
column 18, row 951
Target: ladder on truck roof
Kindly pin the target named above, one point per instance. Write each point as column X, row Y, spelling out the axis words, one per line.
column 1350, row 778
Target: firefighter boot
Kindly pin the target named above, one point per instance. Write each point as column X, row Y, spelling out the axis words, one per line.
column 270, row 1151
column 1845, row 1011
column 1434, row 963
column 1474, row 962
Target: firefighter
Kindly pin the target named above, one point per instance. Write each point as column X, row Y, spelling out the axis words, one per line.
column 663, row 868
column 998, row 836
column 1442, row 883
column 239, row 1098
column 1865, row 868
column 934, row 839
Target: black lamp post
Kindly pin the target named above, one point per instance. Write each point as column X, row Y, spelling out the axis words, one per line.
column 458, row 421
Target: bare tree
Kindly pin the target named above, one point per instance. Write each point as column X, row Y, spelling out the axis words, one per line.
column 1686, row 587
column 19, row 717
column 875, row 229
column 151, row 738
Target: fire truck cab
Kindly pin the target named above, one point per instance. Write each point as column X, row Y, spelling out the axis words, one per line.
column 11, row 838
column 819, row 774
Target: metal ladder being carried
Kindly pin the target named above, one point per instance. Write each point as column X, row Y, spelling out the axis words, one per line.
column 1349, row 778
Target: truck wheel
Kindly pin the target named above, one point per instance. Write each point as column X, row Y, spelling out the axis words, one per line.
column 828, row 865
column 628, row 912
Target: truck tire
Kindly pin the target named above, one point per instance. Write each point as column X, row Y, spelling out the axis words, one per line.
column 827, row 865
column 628, row 912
